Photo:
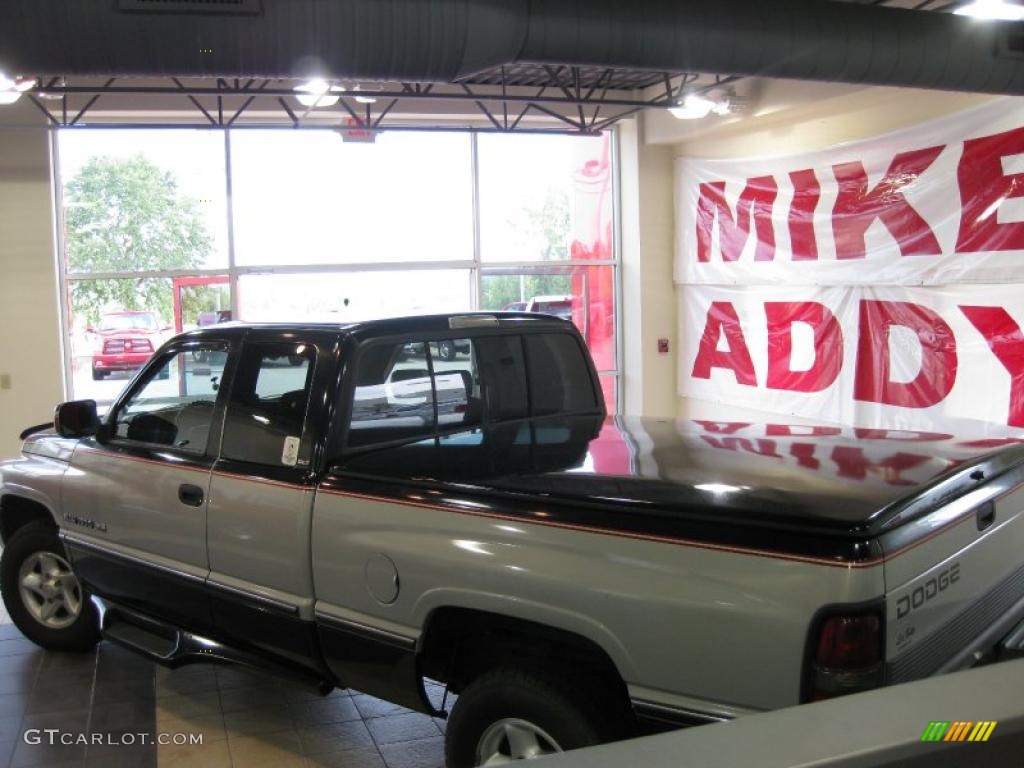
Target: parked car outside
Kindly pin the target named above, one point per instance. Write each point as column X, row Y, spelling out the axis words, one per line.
column 125, row 341
column 559, row 306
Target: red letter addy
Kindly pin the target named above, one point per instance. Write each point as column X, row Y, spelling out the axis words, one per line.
column 722, row 319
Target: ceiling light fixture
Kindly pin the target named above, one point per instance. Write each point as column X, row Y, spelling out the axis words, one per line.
column 363, row 99
column 318, row 93
column 992, row 10
column 695, row 106
column 11, row 90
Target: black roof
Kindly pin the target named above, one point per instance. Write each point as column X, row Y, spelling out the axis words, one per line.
column 398, row 326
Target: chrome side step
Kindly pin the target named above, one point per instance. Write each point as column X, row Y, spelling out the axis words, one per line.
column 173, row 647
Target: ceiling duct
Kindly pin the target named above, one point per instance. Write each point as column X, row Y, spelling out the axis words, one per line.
column 445, row 40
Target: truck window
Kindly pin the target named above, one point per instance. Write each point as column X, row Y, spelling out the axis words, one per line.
column 267, row 410
column 174, row 405
column 456, row 383
column 559, row 375
column 394, row 396
column 408, row 389
column 504, row 376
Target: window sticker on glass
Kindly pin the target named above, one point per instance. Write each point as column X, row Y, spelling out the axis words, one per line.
column 290, row 453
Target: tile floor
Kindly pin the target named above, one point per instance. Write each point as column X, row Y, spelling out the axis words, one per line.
column 245, row 719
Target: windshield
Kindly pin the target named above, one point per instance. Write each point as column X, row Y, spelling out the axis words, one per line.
column 142, row 321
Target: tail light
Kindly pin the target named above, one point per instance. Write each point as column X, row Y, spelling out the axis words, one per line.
column 847, row 655
column 141, row 345
column 113, row 346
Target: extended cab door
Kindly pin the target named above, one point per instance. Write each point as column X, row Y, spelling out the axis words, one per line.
column 261, row 494
column 135, row 503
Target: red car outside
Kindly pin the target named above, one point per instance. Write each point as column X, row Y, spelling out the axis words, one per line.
column 125, row 341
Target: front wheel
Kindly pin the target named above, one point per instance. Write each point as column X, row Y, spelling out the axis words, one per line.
column 511, row 714
column 42, row 594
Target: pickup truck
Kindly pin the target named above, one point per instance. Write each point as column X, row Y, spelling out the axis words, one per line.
column 377, row 516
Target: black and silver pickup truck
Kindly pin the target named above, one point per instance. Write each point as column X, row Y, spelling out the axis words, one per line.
column 445, row 498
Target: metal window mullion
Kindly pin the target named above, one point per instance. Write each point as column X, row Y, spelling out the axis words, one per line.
column 475, row 281
column 398, row 266
column 617, row 262
column 230, row 215
column 540, row 266
column 63, row 287
column 156, row 273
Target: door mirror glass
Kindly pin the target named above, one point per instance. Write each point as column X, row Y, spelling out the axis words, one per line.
column 77, row 418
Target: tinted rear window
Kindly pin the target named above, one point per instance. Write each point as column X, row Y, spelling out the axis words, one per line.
column 559, row 375
column 504, row 375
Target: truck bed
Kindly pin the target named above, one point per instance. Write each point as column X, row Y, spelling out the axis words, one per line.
column 763, row 487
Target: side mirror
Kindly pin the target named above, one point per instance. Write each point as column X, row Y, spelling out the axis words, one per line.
column 77, row 418
column 90, row 329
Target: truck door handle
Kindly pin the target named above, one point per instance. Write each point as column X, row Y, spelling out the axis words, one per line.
column 191, row 495
column 986, row 516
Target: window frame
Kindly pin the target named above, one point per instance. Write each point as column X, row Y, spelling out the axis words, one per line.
column 145, row 376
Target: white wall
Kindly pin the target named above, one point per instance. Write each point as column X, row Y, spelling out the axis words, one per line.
column 30, row 337
column 846, row 115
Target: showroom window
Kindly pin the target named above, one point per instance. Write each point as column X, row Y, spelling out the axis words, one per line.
column 166, row 230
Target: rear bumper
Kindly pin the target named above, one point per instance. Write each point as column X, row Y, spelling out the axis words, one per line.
column 125, row 362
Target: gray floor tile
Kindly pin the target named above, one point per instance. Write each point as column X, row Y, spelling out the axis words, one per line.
column 58, row 698
column 6, row 750
column 255, row 722
column 10, row 728
column 178, row 707
column 17, row 681
column 121, row 716
column 370, row 706
column 185, row 684
column 347, row 758
column 425, row 753
column 16, row 646
column 55, row 668
column 266, row 749
column 46, row 754
column 13, row 704
column 133, row 689
column 69, row 721
column 252, row 697
column 336, row 737
column 337, row 709
column 121, row 756
column 396, row 728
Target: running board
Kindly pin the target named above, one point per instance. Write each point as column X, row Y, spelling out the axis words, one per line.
column 173, row 647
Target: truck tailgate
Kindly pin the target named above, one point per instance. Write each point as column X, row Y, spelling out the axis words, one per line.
column 955, row 579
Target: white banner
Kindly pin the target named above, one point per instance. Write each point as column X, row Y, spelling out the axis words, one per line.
column 899, row 358
column 876, row 283
column 936, row 204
